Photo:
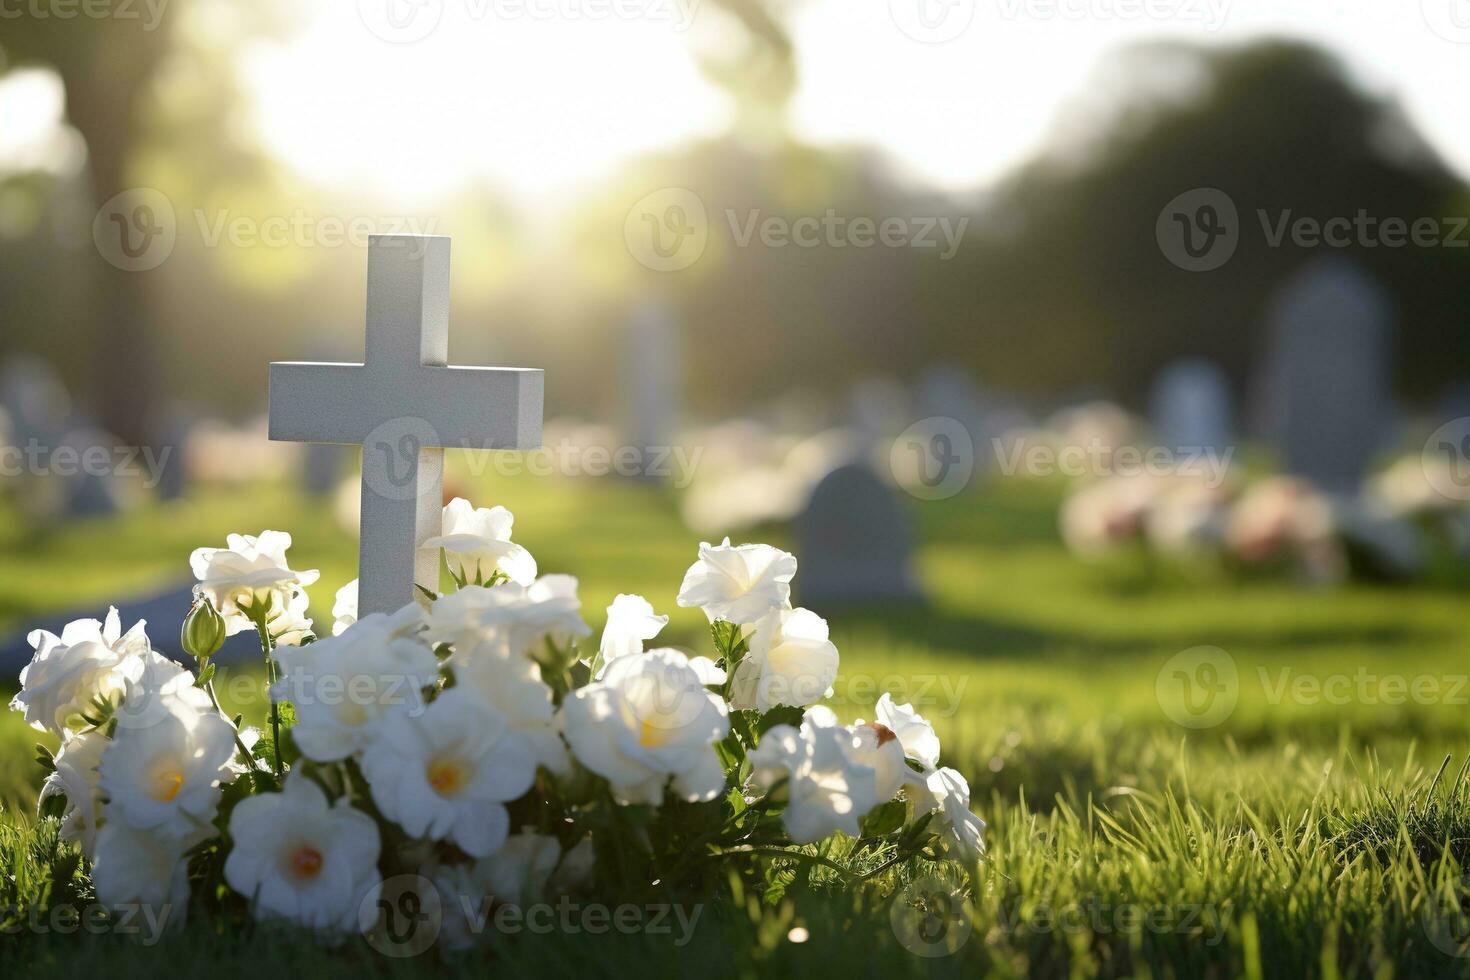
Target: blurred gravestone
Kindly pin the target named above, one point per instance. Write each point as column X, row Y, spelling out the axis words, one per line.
column 86, row 464
column 322, row 465
column 948, row 392
column 854, row 541
column 171, row 446
column 1327, row 403
column 39, row 410
column 879, row 409
column 1191, row 407
column 652, row 368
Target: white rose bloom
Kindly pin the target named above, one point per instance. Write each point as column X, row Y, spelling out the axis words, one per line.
column 914, row 733
column 296, row 857
column 344, row 608
column 512, row 616
column 790, row 662
column 70, row 670
column 827, row 789
column 879, row 749
column 140, row 872
column 512, row 685
column 75, row 778
column 477, row 543
column 946, row 792
column 248, row 571
column 290, row 625
column 649, row 719
column 164, row 776
column 344, row 686
column 630, row 622
column 447, row 773
column 738, row 584
column 152, row 684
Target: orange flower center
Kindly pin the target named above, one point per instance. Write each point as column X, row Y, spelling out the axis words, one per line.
column 306, row 862
column 447, row 777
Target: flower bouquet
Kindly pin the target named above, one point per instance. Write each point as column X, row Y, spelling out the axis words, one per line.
column 474, row 745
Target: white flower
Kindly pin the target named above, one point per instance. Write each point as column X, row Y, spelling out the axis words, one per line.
column 71, row 670
column 344, row 608
column 141, row 873
column 914, row 733
column 738, row 584
column 447, row 773
column 791, row 662
column 512, row 685
column 151, row 684
column 75, row 779
column 648, row 719
column 630, row 621
column 298, row 858
column 827, row 789
column 249, row 571
column 164, row 777
column 518, row 873
column 290, row 625
column 477, row 543
column 945, row 792
column 344, row 686
column 511, row 616
column 878, row 748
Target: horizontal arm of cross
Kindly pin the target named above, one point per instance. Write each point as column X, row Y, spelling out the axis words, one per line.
column 464, row 407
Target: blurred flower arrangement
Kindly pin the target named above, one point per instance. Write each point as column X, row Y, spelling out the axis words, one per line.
column 475, row 740
column 1276, row 525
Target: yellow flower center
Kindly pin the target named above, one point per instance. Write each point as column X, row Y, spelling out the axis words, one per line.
column 306, row 862
column 653, row 732
column 448, row 776
column 166, row 784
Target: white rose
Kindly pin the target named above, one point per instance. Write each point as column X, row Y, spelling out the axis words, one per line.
column 790, row 662
column 827, row 788
column 648, row 720
column 630, row 622
column 476, row 544
column 68, row 672
column 249, row 572
column 738, row 584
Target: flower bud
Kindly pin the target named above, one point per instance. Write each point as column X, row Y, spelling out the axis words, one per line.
column 204, row 630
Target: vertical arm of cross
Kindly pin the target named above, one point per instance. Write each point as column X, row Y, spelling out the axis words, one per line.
column 402, row 472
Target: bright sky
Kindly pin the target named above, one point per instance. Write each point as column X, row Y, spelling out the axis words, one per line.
column 544, row 97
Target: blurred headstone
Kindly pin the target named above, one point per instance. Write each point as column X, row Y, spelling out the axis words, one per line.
column 948, row 392
column 1327, row 401
column 879, row 409
column 322, row 467
column 35, row 399
column 164, row 613
column 86, row 464
column 652, row 372
column 854, row 541
column 1191, row 407
column 171, row 443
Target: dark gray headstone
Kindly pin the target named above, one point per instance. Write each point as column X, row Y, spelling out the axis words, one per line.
column 854, row 541
column 1328, row 404
column 1190, row 407
column 322, row 466
column 947, row 391
column 164, row 613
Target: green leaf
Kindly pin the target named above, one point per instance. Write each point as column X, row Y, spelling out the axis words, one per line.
column 886, row 819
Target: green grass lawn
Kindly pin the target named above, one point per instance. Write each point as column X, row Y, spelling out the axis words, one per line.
column 1301, row 833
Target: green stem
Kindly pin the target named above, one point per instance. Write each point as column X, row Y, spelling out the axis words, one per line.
column 792, row 855
column 267, row 648
column 239, row 742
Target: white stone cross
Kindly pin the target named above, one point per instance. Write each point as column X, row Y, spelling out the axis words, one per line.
column 404, row 406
